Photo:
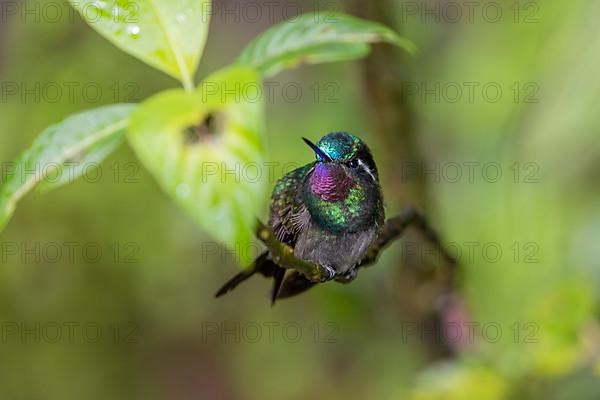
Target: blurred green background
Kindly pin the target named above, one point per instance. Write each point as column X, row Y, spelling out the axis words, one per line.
column 144, row 323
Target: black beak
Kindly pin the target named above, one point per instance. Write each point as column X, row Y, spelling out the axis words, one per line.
column 318, row 151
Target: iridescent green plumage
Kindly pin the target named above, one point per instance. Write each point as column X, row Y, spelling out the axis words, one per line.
column 345, row 214
column 329, row 211
column 285, row 204
column 328, row 200
column 340, row 146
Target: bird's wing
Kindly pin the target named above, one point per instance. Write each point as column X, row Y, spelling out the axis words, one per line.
column 288, row 215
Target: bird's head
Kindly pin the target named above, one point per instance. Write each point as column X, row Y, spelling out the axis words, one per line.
column 346, row 150
column 341, row 191
column 343, row 161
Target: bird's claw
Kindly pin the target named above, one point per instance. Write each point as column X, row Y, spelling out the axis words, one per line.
column 347, row 276
column 328, row 273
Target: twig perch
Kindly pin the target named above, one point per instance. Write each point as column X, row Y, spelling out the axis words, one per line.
column 283, row 255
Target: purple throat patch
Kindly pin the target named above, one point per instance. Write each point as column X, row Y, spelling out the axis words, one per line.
column 330, row 182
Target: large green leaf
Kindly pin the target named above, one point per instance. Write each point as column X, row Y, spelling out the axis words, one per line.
column 198, row 144
column 61, row 152
column 167, row 34
column 315, row 38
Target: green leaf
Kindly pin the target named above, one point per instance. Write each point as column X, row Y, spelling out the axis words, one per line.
column 168, row 34
column 60, row 153
column 197, row 145
column 77, row 165
column 316, row 38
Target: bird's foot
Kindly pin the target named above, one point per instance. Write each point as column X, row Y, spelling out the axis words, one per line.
column 328, row 273
column 347, row 276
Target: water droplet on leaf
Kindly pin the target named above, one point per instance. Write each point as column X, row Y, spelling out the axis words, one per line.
column 133, row 30
column 183, row 190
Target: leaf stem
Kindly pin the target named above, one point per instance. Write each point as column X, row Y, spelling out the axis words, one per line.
column 188, row 83
column 186, row 74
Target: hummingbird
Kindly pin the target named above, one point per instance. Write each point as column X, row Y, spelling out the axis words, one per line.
column 329, row 211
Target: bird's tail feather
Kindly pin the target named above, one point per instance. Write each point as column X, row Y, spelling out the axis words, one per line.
column 294, row 284
column 263, row 265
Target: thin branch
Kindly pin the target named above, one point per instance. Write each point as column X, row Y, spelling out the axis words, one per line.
column 283, row 255
column 395, row 227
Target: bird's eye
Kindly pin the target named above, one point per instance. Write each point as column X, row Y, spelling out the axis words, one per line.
column 353, row 163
